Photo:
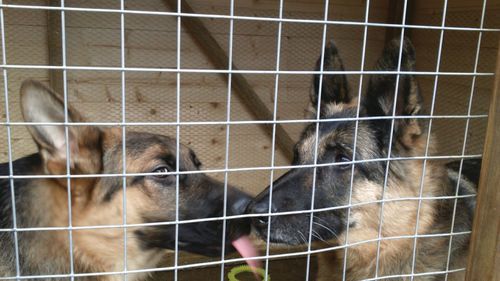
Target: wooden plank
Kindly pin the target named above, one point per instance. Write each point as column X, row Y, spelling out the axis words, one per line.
column 429, row 7
column 497, row 260
column 55, row 46
column 240, row 85
column 285, row 268
column 26, row 46
column 395, row 16
column 486, row 227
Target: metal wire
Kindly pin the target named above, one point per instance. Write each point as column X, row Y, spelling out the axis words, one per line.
column 225, row 71
column 291, row 121
column 316, row 139
column 424, row 167
column 9, row 147
column 466, row 133
column 124, row 136
column 67, row 141
column 391, row 135
column 260, row 168
column 317, row 210
column 177, row 141
column 273, row 140
column 239, row 260
column 226, row 153
column 355, row 142
column 253, row 18
column 276, row 72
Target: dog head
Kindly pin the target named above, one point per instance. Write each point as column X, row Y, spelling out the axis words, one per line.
column 161, row 196
column 337, row 140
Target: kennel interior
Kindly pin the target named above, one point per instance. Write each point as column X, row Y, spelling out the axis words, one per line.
column 251, row 34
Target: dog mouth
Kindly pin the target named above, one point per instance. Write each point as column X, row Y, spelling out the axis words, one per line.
column 297, row 230
column 203, row 249
column 243, row 245
column 207, row 238
column 204, row 238
column 285, row 239
column 283, row 230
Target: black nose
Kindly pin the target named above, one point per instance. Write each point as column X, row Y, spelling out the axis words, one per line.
column 239, row 206
column 261, row 207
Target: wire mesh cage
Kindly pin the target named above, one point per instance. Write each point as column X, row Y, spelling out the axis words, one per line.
column 134, row 95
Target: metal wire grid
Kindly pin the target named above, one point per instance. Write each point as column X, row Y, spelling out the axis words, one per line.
column 272, row 167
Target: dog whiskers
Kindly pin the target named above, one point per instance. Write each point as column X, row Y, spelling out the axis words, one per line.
column 318, row 236
column 301, row 235
column 326, row 227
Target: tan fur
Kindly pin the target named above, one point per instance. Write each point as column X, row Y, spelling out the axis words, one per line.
column 399, row 214
column 95, row 250
column 330, row 108
column 98, row 202
column 102, row 247
column 394, row 222
column 399, row 219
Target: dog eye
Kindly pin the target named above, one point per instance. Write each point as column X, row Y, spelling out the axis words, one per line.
column 162, row 172
column 342, row 158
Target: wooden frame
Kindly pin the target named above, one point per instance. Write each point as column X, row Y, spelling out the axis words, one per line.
column 395, row 16
column 240, row 85
column 55, row 47
column 484, row 257
column 486, row 228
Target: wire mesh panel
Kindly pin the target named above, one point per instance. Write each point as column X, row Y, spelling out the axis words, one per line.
column 175, row 128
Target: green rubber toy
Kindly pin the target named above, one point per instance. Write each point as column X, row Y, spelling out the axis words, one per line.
column 245, row 268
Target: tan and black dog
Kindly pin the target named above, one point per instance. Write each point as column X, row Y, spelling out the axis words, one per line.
column 293, row 191
column 99, row 201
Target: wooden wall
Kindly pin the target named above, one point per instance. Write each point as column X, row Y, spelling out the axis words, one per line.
column 93, row 39
column 458, row 55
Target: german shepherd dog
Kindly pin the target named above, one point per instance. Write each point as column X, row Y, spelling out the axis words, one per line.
column 293, row 190
column 98, row 201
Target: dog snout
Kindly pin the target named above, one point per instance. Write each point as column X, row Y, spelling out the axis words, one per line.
column 261, row 207
column 238, row 202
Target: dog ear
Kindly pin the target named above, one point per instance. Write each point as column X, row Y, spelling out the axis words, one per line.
column 42, row 105
column 379, row 100
column 334, row 88
column 381, row 88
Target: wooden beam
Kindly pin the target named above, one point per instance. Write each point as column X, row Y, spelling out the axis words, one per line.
column 55, row 46
column 239, row 83
column 485, row 230
column 395, row 16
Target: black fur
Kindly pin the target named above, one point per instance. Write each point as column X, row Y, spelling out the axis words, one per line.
column 21, row 166
column 98, row 201
column 333, row 184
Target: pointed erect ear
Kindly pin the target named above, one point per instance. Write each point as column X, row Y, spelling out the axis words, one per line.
column 334, row 88
column 40, row 104
column 382, row 87
column 379, row 100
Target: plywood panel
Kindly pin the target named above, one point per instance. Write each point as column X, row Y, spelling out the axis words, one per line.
column 486, row 227
column 458, row 55
column 455, row 5
column 93, row 39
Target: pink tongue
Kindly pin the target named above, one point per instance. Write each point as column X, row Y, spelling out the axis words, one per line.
column 247, row 250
